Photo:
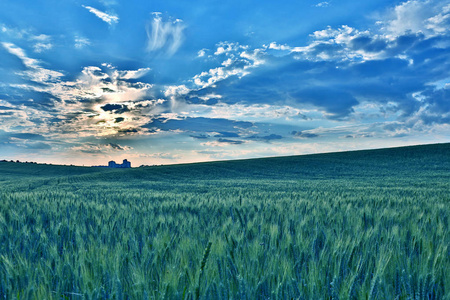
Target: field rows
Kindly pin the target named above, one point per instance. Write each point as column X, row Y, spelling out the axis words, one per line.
column 138, row 235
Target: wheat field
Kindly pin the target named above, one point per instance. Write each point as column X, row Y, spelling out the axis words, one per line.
column 357, row 225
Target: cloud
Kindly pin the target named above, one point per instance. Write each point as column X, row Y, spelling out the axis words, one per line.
column 22, row 141
column 108, row 18
column 200, row 124
column 41, row 47
column 116, row 108
column 92, row 148
column 343, row 68
column 38, row 146
column 35, row 72
column 117, row 147
column 430, row 18
column 322, row 4
column 81, row 42
column 133, row 74
column 239, row 60
column 43, row 42
column 128, row 131
column 201, row 53
column 89, row 105
column 392, row 73
column 304, row 135
column 266, row 138
column 27, row 136
column 20, row 53
column 225, row 134
column 39, row 42
column 163, row 35
column 230, row 142
column 200, row 136
column 276, row 46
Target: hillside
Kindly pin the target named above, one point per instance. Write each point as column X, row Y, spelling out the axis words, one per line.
column 407, row 161
column 351, row 225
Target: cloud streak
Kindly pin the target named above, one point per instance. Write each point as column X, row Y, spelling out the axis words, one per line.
column 108, row 18
column 163, row 35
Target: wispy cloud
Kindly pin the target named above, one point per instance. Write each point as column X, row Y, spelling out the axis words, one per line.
column 81, row 42
column 39, row 42
column 108, row 18
column 41, row 47
column 100, row 148
column 20, row 53
column 323, row 4
column 165, row 35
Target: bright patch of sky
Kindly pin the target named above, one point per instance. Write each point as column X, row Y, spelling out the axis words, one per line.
column 161, row 82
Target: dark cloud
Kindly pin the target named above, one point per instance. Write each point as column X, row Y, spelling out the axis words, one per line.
column 266, row 138
column 286, row 80
column 29, row 141
column 225, row 134
column 119, row 119
column 200, row 136
column 116, row 108
column 232, row 142
column 38, row 146
column 304, row 135
column 115, row 146
column 199, row 125
column 27, row 136
column 128, row 130
column 438, row 110
column 197, row 100
column 360, row 135
column 91, row 151
column 336, row 101
column 410, row 63
column 108, row 90
column 6, row 108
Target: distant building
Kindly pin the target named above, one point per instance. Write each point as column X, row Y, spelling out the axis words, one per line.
column 124, row 164
column 113, row 164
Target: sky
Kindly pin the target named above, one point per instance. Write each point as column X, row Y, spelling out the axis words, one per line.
column 161, row 82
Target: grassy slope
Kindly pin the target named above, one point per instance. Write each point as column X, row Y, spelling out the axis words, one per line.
column 405, row 161
column 353, row 225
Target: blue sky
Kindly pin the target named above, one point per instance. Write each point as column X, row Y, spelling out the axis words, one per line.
column 162, row 82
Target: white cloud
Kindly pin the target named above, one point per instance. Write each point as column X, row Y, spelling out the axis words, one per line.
column 279, row 114
column 229, row 48
column 429, row 17
column 40, row 42
column 108, row 18
column 41, row 47
column 323, row 4
column 35, row 72
column 202, row 53
column 409, row 16
column 81, row 42
column 239, row 59
column 166, row 35
column 276, row 46
column 133, row 74
column 20, row 53
column 41, row 38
